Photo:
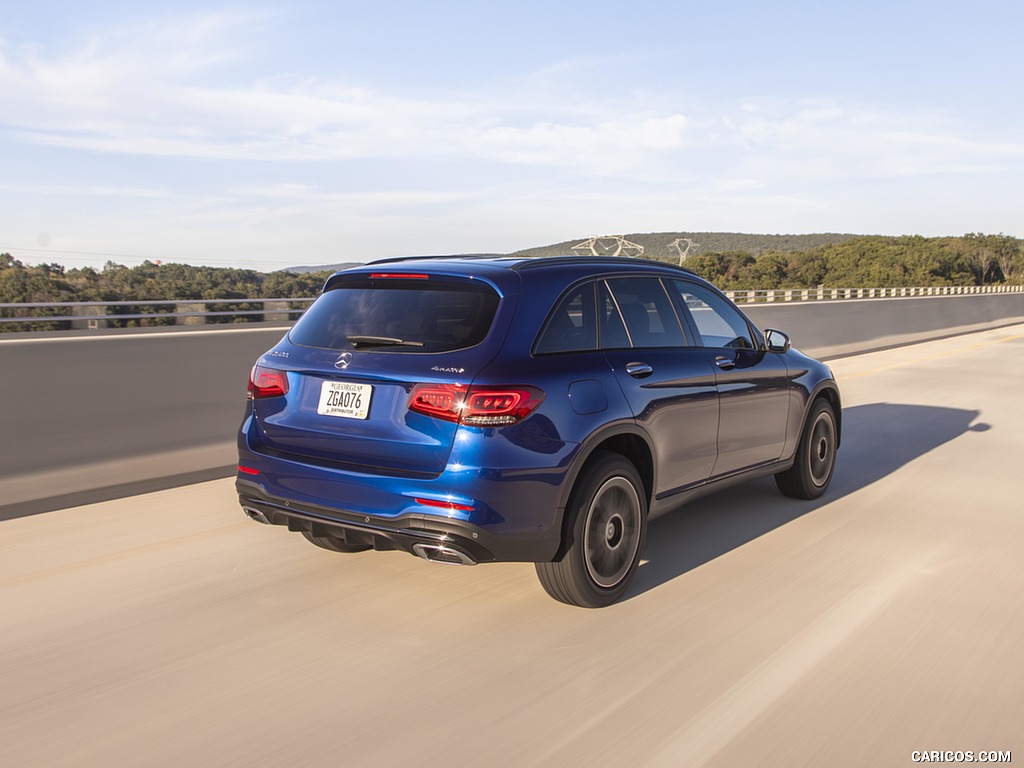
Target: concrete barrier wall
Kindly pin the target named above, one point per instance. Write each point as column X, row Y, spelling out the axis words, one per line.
column 90, row 416
column 837, row 328
column 89, row 413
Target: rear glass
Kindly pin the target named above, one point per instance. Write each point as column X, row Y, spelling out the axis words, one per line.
column 398, row 315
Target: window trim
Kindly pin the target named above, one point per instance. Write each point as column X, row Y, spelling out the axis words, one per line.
column 622, row 319
column 692, row 338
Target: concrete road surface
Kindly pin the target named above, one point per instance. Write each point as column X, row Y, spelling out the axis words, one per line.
column 884, row 620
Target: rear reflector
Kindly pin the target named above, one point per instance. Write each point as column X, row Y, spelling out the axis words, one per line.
column 248, row 470
column 451, row 505
column 475, row 406
column 267, row 382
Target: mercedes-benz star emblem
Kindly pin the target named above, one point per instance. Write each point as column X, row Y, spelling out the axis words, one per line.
column 344, row 361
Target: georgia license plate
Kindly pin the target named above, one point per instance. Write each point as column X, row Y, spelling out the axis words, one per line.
column 344, row 399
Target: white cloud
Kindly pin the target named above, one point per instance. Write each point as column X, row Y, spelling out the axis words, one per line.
column 859, row 142
column 384, row 200
column 548, row 153
column 89, row 190
column 155, row 91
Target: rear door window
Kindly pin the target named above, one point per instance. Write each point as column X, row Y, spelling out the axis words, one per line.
column 647, row 311
column 420, row 314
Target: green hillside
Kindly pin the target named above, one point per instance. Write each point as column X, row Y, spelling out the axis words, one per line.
column 657, row 245
column 730, row 261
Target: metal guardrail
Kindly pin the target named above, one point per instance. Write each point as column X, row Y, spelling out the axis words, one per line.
column 835, row 294
column 98, row 314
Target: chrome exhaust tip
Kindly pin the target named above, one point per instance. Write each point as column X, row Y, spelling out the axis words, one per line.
column 441, row 553
column 254, row 514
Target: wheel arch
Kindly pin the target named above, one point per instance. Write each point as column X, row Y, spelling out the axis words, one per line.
column 627, row 440
column 829, row 391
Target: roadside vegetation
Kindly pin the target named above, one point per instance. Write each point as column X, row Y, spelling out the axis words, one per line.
column 870, row 262
column 742, row 262
column 763, row 262
column 49, row 283
column 148, row 282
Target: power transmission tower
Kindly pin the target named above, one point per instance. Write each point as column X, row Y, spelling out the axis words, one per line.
column 684, row 252
column 609, row 245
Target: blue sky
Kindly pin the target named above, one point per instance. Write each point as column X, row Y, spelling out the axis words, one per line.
column 271, row 134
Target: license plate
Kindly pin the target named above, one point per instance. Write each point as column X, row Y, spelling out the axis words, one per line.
column 344, row 399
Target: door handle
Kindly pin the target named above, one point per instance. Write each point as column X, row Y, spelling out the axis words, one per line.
column 639, row 370
column 725, row 363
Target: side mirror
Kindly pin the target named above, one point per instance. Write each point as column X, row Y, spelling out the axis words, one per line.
column 777, row 341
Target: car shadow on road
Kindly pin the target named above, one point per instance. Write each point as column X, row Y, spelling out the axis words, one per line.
column 878, row 439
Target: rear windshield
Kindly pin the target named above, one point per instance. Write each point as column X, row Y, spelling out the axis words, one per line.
column 398, row 315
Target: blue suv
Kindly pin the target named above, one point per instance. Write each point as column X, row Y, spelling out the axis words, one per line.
column 472, row 410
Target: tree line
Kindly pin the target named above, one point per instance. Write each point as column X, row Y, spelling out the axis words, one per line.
column 148, row 282
column 50, row 283
column 736, row 261
column 870, row 262
column 846, row 262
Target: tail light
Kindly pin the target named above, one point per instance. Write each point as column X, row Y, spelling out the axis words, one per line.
column 267, row 382
column 475, row 406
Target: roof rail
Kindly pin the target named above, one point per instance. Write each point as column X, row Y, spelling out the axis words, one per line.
column 394, row 259
column 522, row 261
column 534, row 262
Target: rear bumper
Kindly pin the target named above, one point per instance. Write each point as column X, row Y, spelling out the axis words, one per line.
column 508, row 509
column 432, row 537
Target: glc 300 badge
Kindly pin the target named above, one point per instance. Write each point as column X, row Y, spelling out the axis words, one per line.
column 439, row 369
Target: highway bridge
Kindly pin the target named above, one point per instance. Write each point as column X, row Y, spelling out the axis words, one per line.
column 158, row 626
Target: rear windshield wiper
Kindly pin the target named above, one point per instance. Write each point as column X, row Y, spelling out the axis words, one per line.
column 381, row 341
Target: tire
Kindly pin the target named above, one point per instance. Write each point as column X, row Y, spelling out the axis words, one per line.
column 335, row 544
column 815, row 460
column 608, row 514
